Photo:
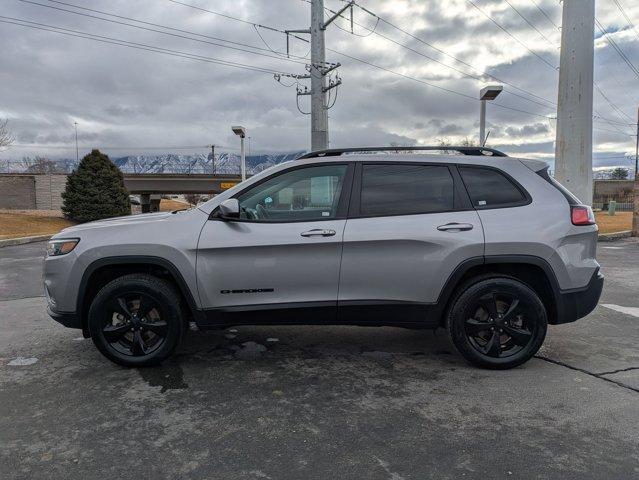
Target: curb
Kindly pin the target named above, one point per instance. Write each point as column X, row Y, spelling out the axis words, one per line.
column 609, row 237
column 8, row 242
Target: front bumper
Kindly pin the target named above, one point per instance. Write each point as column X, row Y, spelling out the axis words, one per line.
column 68, row 319
column 575, row 304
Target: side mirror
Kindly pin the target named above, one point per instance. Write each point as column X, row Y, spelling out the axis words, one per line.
column 230, row 208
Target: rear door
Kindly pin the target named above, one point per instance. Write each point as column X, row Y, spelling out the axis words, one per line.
column 410, row 225
column 284, row 252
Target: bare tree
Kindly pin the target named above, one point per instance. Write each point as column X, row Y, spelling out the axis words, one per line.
column 6, row 138
column 192, row 198
column 446, row 142
column 41, row 165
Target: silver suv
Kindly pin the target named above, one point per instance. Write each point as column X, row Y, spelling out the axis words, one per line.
column 489, row 247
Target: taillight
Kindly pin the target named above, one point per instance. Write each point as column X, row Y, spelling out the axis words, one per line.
column 582, row 215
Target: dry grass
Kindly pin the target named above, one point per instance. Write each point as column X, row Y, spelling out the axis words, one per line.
column 168, row 205
column 27, row 224
column 15, row 223
column 617, row 223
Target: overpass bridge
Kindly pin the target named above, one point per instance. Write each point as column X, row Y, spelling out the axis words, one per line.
column 151, row 185
column 160, row 183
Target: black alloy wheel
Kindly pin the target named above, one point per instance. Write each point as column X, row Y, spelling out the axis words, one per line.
column 497, row 322
column 133, row 324
column 136, row 320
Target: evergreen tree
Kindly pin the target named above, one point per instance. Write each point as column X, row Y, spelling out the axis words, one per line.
column 95, row 190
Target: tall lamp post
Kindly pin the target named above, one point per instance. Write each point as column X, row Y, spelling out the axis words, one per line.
column 635, row 210
column 241, row 132
column 77, row 151
column 486, row 94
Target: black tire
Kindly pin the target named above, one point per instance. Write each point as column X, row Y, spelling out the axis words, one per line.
column 136, row 320
column 497, row 322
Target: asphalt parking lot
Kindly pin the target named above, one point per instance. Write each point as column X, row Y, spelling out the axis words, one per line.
column 319, row 402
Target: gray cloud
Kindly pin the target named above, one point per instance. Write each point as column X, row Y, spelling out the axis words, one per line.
column 527, row 130
column 131, row 98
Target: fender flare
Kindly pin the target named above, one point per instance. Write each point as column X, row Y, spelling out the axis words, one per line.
column 136, row 259
column 453, row 281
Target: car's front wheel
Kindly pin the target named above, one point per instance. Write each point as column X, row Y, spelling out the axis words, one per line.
column 136, row 320
column 497, row 322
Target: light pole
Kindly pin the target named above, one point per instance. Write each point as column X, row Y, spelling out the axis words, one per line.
column 241, row 132
column 486, row 94
column 77, row 152
column 573, row 146
column 635, row 210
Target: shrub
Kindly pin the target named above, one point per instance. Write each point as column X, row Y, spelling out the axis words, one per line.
column 95, row 190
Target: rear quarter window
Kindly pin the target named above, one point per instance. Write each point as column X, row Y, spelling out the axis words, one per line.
column 490, row 188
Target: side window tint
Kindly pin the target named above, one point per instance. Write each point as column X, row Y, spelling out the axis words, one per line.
column 301, row 194
column 489, row 188
column 406, row 189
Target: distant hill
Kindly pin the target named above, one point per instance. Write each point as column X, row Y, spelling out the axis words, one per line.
column 225, row 163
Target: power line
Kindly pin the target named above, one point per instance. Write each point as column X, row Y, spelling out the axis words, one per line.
column 501, row 27
column 448, row 90
column 619, row 112
column 476, row 77
column 623, row 12
column 62, row 147
column 170, row 28
column 482, row 73
column 615, row 131
column 231, row 17
column 613, row 44
column 531, row 25
column 545, row 14
column 280, row 57
column 138, row 46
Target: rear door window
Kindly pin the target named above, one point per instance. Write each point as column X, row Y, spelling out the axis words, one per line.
column 489, row 188
column 401, row 189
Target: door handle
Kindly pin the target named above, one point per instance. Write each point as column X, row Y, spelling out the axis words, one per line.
column 457, row 227
column 318, row 232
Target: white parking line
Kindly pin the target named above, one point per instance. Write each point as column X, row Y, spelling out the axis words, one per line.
column 21, row 361
column 634, row 311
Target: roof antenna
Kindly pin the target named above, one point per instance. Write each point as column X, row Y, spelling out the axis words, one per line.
column 486, row 139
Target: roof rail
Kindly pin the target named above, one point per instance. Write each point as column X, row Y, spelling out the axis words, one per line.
column 335, row 152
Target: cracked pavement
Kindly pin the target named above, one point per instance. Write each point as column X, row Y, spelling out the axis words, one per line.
column 318, row 402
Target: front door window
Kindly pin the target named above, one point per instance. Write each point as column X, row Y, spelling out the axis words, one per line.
column 303, row 194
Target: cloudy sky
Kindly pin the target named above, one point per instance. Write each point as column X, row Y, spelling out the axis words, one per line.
column 138, row 100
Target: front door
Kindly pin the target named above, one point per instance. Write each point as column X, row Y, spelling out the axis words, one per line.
column 409, row 227
column 281, row 258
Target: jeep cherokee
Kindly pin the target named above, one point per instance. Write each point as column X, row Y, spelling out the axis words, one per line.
column 489, row 247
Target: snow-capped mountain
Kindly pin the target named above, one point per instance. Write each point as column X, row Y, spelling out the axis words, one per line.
column 225, row 163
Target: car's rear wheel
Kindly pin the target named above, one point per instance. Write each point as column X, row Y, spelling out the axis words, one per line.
column 497, row 322
column 136, row 320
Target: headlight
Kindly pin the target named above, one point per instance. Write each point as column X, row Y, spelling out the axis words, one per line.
column 61, row 246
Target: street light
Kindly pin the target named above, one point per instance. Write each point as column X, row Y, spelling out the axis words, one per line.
column 486, row 94
column 241, row 132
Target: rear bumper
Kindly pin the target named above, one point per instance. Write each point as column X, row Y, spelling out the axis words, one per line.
column 68, row 319
column 575, row 304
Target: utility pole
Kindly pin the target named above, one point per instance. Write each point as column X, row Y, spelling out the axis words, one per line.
column 573, row 149
column 77, row 151
column 318, row 71
column 319, row 113
column 635, row 212
column 213, row 157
